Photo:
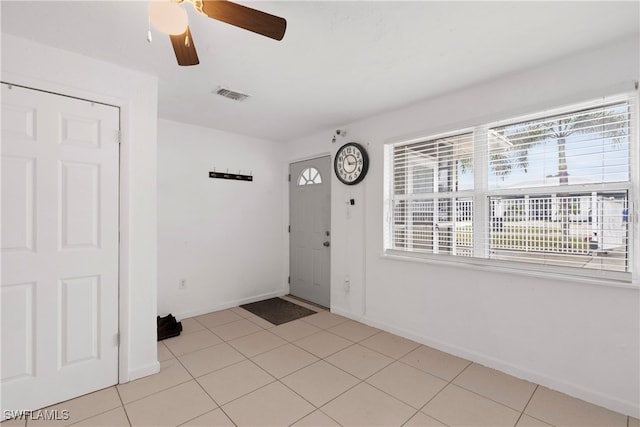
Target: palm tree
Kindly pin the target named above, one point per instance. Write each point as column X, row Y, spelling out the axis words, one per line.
column 608, row 122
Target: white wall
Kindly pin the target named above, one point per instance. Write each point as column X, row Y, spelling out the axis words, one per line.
column 224, row 237
column 577, row 337
column 42, row 67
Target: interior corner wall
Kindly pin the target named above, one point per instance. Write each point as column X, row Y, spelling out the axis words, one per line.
column 43, row 67
column 223, row 237
column 572, row 336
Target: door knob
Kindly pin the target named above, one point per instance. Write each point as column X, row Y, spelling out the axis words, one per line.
column 326, row 244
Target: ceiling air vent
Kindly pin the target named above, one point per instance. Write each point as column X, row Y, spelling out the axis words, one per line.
column 231, row 94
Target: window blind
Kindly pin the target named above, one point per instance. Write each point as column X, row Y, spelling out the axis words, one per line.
column 430, row 209
column 553, row 190
column 572, row 172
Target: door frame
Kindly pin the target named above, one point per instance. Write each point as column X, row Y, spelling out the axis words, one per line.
column 288, row 210
column 124, row 178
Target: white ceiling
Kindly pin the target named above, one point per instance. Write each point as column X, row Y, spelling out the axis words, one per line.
column 338, row 62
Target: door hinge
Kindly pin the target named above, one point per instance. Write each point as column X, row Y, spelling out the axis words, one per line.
column 119, row 137
column 289, row 178
column 118, row 338
column 289, row 280
column 289, row 229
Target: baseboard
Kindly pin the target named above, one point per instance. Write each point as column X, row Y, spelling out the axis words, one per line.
column 228, row 304
column 348, row 315
column 143, row 371
column 592, row 396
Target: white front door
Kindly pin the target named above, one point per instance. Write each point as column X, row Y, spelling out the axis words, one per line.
column 59, row 289
column 310, row 234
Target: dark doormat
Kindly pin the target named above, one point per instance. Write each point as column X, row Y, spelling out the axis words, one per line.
column 277, row 310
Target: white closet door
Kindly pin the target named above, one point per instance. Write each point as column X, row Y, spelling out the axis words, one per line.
column 60, row 163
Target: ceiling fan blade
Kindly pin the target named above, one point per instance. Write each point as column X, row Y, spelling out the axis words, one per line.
column 184, row 48
column 244, row 17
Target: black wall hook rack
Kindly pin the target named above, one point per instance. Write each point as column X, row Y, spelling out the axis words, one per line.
column 227, row 175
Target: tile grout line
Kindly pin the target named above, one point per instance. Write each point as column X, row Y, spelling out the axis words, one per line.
column 239, row 336
column 411, row 417
column 90, row 416
column 321, row 357
column 316, row 408
column 279, row 380
column 353, row 343
column 396, row 397
column 214, row 401
column 360, row 381
column 430, row 373
column 202, row 415
column 202, row 348
column 487, row 397
column 207, row 393
column 440, row 391
column 311, row 403
column 527, row 405
column 323, row 328
column 290, row 341
column 426, row 372
column 126, row 414
column 158, row 391
column 247, row 358
column 369, row 376
column 262, row 352
column 481, row 395
column 164, row 389
column 220, row 369
column 490, row 399
column 297, row 370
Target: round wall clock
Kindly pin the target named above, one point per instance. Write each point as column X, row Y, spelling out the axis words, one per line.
column 351, row 163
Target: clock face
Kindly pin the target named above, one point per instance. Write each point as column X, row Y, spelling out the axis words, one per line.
column 351, row 163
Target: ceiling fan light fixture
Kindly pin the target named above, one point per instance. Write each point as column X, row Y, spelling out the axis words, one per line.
column 168, row 17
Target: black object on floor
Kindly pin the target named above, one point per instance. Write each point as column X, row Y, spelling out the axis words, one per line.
column 277, row 310
column 166, row 320
column 168, row 327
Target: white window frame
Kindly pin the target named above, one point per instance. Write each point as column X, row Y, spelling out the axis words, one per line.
column 481, row 198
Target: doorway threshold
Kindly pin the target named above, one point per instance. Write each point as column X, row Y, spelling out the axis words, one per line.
column 304, row 301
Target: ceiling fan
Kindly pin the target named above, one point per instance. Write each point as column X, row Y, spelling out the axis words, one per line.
column 170, row 18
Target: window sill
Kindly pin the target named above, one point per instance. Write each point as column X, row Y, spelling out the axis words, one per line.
column 531, row 270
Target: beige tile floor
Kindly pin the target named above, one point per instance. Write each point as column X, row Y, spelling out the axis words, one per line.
column 232, row 368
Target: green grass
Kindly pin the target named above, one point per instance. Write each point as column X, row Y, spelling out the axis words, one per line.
column 516, row 237
column 544, row 243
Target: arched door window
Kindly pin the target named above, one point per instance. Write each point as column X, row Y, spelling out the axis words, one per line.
column 310, row 176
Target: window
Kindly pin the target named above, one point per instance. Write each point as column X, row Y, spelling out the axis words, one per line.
column 429, row 206
column 553, row 190
column 310, row 176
